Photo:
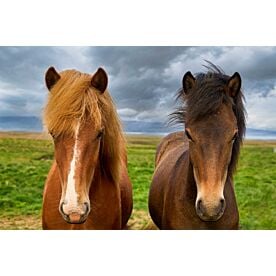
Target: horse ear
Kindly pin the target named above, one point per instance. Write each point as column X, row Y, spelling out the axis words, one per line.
column 51, row 77
column 99, row 80
column 234, row 84
column 188, row 82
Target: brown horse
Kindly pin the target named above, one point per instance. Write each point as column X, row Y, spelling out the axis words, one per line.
column 88, row 186
column 192, row 186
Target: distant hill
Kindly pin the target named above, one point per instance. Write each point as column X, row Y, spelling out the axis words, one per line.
column 20, row 123
column 34, row 124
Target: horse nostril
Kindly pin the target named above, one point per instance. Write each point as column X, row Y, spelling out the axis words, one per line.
column 222, row 204
column 87, row 208
column 199, row 205
column 61, row 208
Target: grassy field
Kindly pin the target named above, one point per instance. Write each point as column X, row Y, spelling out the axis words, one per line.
column 25, row 160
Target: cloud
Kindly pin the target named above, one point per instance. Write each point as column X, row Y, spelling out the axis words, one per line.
column 127, row 113
column 261, row 110
column 142, row 80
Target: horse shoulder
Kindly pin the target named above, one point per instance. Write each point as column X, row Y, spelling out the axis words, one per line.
column 170, row 149
column 168, row 143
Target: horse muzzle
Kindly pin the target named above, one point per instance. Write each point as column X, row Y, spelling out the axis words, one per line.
column 210, row 211
column 76, row 215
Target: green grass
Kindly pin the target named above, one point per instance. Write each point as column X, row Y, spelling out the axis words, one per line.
column 255, row 184
column 24, row 165
column 141, row 155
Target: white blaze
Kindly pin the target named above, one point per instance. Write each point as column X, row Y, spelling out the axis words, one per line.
column 199, row 187
column 71, row 196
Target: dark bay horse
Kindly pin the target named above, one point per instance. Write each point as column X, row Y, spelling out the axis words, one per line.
column 192, row 186
column 88, row 186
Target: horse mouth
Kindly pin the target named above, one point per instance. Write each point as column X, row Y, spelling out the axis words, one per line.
column 74, row 218
column 210, row 218
column 212, row 213
column 206, row 217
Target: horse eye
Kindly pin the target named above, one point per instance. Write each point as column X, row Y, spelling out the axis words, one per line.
column 235, row 136
column 100, row 134
column 188, row 135
column 52, row 134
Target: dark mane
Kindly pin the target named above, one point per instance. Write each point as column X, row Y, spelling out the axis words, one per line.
column 205, row 99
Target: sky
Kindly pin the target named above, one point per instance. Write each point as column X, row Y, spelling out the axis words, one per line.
column 143, row 81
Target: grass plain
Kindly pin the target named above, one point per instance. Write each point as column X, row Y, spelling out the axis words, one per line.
column 25, row 159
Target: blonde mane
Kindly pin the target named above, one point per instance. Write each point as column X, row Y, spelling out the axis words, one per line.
column 72, row 99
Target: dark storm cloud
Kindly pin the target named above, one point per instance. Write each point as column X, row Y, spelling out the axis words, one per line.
column 136, row 73
column 23, row 66
column 142, row 77
column 255, row 63
column 22, row 71
column 131, row 59
column 142, row 80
